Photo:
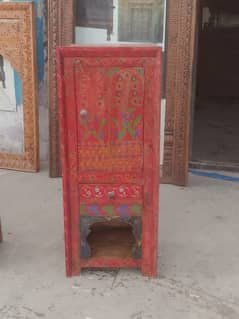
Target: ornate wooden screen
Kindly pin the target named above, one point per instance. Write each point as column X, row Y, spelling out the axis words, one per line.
column 181, row 24
column 139, row 21
column 60, row 32
column 17, row 45
column 110, row 115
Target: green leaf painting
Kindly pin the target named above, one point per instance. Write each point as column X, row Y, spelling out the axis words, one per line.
column 136, row 209
column 136, row 121
column 109, row 209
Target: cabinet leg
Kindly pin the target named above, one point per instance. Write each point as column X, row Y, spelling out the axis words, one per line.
column 150, row 247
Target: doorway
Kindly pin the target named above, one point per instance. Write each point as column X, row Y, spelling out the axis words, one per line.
column 215, row 129
column 181, row 124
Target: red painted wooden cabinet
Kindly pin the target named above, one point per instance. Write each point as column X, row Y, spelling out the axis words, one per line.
column 110, row 113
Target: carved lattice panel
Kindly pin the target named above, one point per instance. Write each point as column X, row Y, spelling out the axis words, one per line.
column 140, row 20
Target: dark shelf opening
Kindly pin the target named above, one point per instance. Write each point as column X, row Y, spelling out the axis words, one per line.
column 111, row 239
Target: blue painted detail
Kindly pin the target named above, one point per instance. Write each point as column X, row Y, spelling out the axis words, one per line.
column 215, row 176
column 85, row 249
column 18, row 88
column 40, row 49
column 102, row 135
column 123, row 210
column 94, row 209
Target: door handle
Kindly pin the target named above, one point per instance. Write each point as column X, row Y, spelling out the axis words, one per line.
column 83, row 113
column 111, row 195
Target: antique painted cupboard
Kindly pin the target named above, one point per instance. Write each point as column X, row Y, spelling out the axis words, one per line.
column 109, row 117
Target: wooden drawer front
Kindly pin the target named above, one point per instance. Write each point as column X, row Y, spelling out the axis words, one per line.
column 110, row 192
column 111, row 200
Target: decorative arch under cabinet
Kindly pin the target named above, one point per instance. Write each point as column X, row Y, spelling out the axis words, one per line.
column 109, row 116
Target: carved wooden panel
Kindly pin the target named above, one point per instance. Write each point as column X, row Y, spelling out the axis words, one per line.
column 17, row 45
column 179, row 66
column 60, row 32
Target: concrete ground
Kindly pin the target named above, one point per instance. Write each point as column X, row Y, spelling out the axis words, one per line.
column 198, row 257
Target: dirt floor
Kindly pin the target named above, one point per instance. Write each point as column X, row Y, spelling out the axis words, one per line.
column 198, row 257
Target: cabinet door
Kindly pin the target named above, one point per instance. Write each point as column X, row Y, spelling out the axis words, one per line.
column 110, row 108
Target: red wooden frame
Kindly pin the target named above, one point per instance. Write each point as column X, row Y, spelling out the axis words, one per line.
column 150, row 59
